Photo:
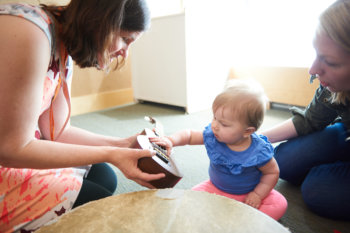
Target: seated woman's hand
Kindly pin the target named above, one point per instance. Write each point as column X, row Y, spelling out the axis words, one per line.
column 126, row 160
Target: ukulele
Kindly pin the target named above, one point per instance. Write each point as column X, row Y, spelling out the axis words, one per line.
column 160, row 162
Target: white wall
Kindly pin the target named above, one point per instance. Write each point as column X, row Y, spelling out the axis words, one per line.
column 207, row 68
column 159, row 63
column 178, row 61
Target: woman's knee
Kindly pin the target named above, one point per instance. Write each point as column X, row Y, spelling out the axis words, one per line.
column 285, row 156
column 91, row 191
column 103, row 175
column 326, row 191
column 296, row 156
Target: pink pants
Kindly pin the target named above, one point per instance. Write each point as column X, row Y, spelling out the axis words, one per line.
column 274, row 205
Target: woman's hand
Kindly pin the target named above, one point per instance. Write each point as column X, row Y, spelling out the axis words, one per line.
column 126, row 160
column 253, row 199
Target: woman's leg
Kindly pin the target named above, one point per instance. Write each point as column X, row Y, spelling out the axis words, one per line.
column 298, row 156
column 101, row 182
column 326, row 190
column 30, row 198
column 103, row 175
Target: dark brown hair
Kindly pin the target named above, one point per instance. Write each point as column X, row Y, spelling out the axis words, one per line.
column 87, row 27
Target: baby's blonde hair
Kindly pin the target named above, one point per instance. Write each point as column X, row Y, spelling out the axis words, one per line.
column 246, row 98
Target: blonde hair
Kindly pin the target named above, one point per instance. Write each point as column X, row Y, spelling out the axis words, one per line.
column 335, row 23
column 246, row 98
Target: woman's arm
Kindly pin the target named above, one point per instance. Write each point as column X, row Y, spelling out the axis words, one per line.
column 280, row 132
column 75, row 135
column 24, row 58
column 316, row 116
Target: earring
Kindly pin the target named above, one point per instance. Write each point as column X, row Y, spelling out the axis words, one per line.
column 313, row 77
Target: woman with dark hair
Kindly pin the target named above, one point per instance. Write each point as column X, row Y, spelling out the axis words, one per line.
column 48, row 166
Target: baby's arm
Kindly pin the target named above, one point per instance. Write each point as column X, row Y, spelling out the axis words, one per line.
column 269, row 178
column 180, row 138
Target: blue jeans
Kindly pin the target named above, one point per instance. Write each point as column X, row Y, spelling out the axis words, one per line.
column 320, row 163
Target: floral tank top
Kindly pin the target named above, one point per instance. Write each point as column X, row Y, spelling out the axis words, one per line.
column 30, row 198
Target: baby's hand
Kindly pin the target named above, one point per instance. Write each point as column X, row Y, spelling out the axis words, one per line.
column 164, row 142
column 253, row 200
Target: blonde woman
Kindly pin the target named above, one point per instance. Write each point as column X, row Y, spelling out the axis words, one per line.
column 316, row 154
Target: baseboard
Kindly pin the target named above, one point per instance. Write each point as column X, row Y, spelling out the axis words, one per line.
column 100, row 101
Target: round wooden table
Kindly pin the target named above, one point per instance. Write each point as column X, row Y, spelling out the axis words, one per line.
column 163, row 211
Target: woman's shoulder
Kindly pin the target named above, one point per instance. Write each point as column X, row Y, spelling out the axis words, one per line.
column 28, row 13
column 25, row 48
column 22, row 35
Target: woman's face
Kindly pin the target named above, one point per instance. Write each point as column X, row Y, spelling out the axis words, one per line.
column 331, row 65
column 120, row 46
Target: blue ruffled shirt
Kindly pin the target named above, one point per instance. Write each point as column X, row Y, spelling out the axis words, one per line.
column 236, row 172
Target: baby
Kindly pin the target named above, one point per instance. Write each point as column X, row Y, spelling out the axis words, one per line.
column 242, row 165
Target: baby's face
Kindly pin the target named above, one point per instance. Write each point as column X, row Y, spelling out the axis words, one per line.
column 227, row 128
